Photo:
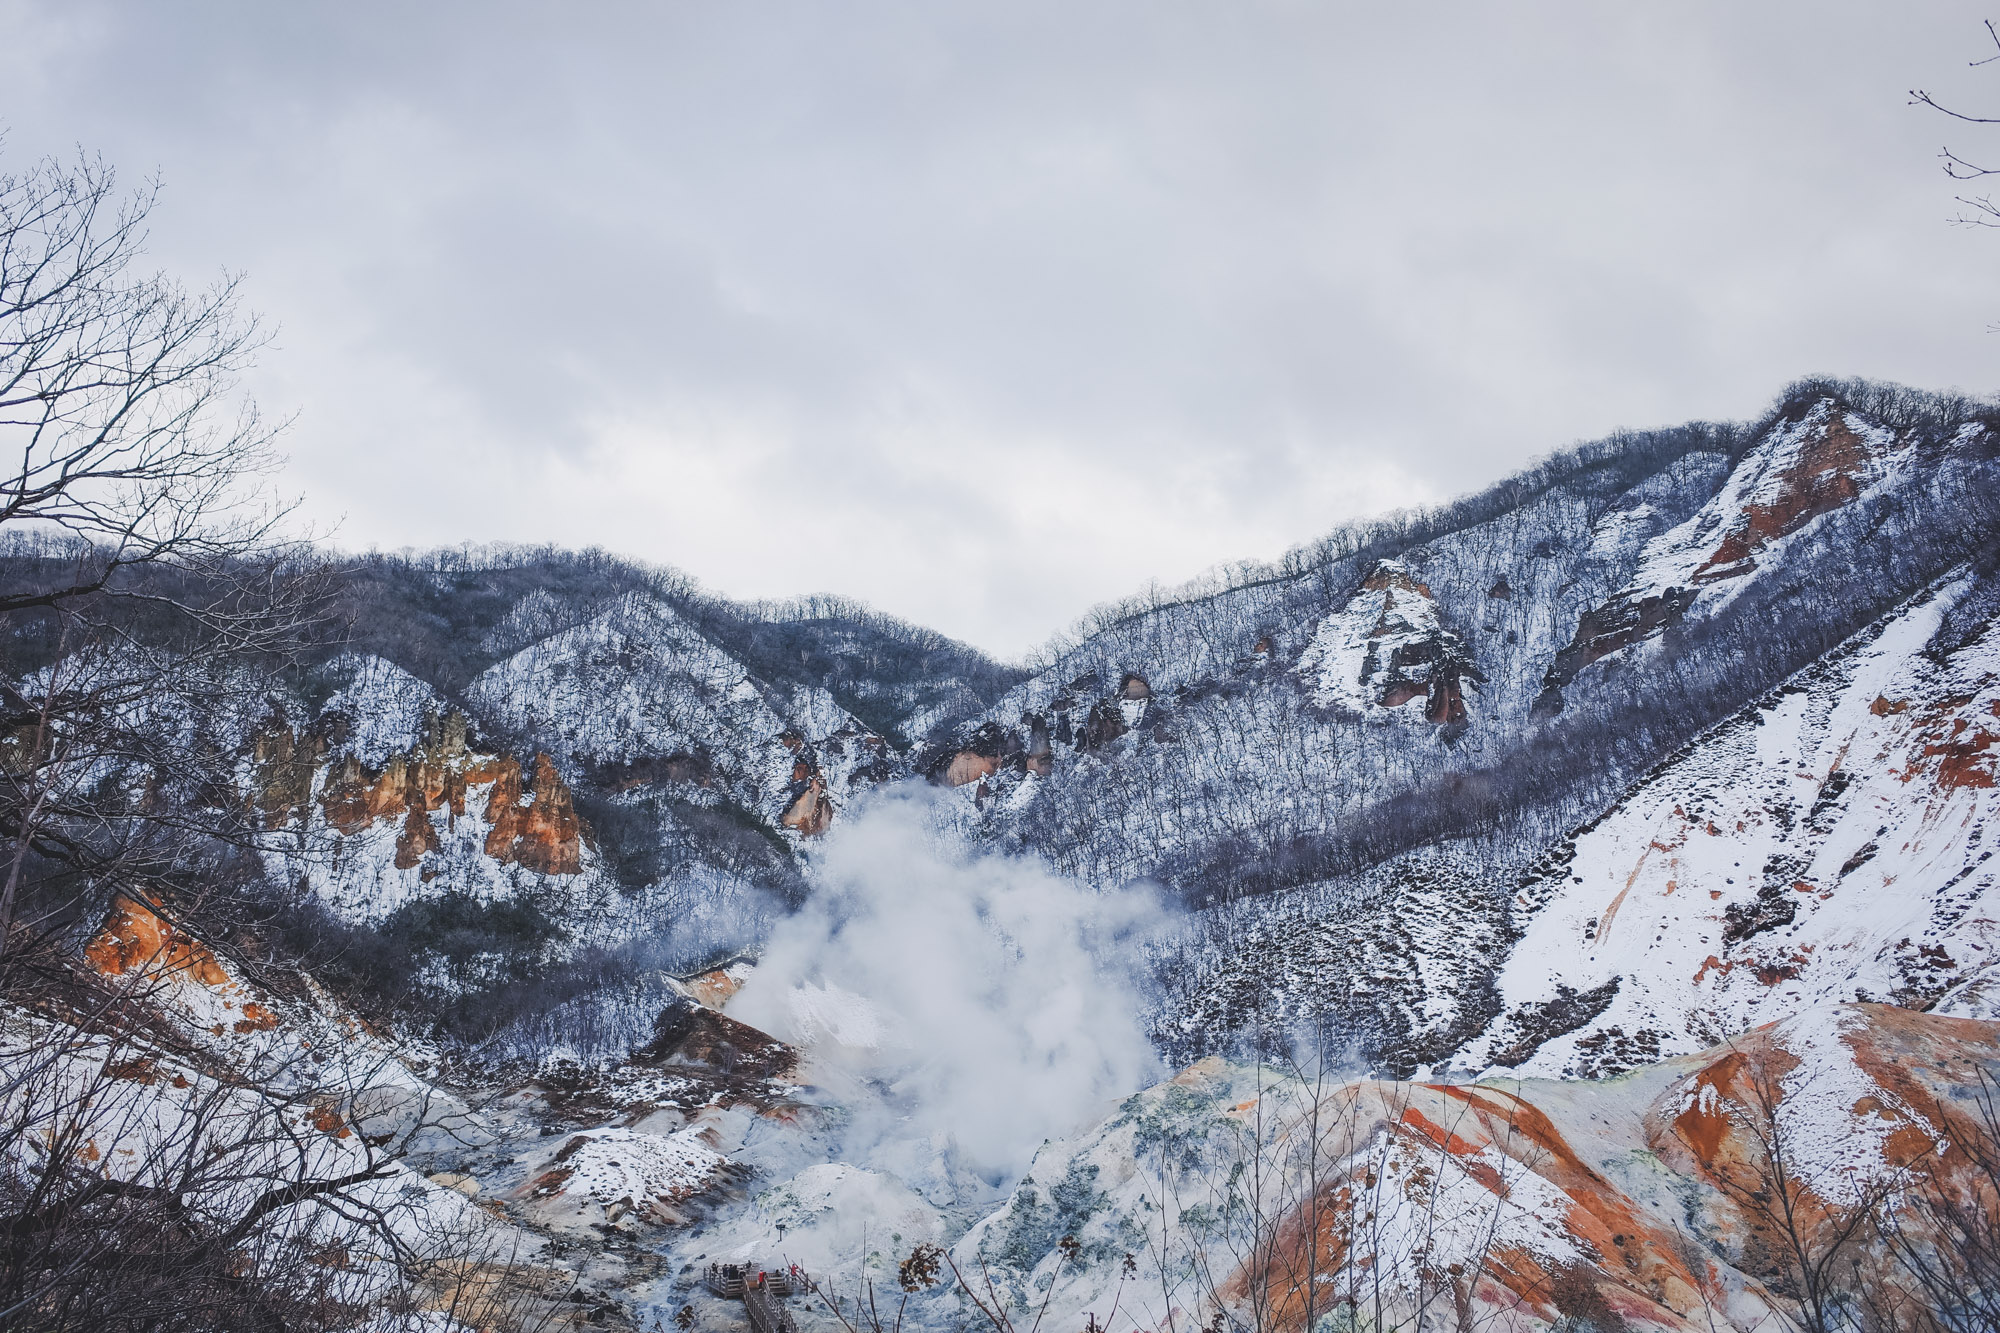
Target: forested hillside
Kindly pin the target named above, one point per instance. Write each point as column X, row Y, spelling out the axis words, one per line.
column 1676, row 734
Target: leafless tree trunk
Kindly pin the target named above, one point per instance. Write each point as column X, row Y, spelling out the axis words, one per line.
column 142, row 582
column 145, row 1186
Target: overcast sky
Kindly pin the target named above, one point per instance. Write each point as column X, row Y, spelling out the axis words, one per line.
column 987, row 310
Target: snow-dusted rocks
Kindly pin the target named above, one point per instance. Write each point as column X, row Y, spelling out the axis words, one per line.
column 1386, row 648
column 620, row 1172
column 637, row 688
column 1811, row 462
column 383, row 798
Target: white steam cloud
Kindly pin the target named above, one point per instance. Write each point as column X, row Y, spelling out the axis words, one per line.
column 961, row 998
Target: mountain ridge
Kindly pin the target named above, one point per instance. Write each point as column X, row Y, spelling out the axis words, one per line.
column 1672, row 738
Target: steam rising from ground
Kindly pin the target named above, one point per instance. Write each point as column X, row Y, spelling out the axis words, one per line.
column 954, row 998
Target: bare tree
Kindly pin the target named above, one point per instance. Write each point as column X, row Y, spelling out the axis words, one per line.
column 117, row 389
column 141, row 579
column 1810, row 1228
column 924, row 1269
column 145, row 1185
column 1943, row 1234
column 1982, row 211
column 915, row 1274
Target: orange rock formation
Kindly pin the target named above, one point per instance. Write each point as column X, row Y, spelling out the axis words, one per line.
column 540, row 833
column 811, row 812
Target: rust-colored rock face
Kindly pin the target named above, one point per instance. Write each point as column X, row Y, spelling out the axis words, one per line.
column 1967, row 748
column 966, row 766
column 1828, row 472
column 137, row 941
column 1915, row 1072
column 713, row 989
column 810, row 812
column 536, row 827
column 1456, row 1151
column 1445, row 702
column 353, row 800
column 432, row 775
column 1528, row 1191
column 539, row 832
column 1389, row 647
column 417, row 840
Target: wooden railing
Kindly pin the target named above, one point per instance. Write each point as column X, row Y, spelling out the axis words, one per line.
column 766, row 1314
column 761, row 1292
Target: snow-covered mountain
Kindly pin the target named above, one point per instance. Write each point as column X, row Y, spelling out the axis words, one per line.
column 1280, row 733
column 1577, row 825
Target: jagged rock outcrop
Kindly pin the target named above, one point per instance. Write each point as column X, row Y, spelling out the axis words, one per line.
column 538, row 829
column 1084, row 722
column 1822, row 463
column 1817, row 458
column 433, row 774
column 1387, row 647
column 325, row 768
column 1041, row 750
column 285, row 762
column 1603, row 630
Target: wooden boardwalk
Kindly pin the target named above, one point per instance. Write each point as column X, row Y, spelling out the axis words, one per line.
column 766, row 1314
column 761, row 1292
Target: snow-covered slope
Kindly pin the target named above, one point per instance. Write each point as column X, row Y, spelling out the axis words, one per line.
column 637, row 686
column 1387, row 648
column 1584, row 774
column 264, row 1120
column 1395, row 964
column 1270, row 734
column 385, row 797
column 1815, row 458
column 1833, row 842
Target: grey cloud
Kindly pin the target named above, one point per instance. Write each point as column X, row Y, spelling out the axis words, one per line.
column 985, row 312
